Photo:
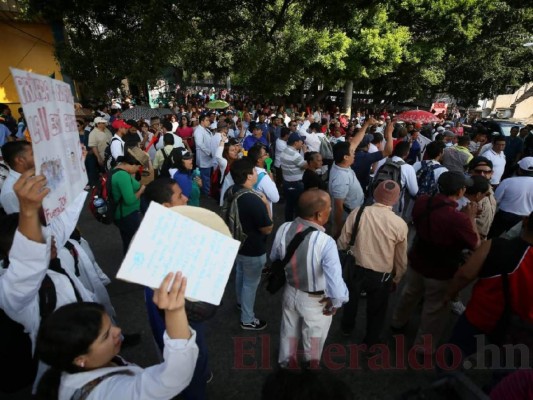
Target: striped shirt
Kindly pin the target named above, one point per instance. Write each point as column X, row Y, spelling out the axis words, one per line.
column 292, row 165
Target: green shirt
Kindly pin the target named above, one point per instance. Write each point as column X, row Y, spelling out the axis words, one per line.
column 123, row 189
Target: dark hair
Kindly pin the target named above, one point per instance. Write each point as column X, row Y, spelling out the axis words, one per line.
column 12, row 150
column 310, row 156
column 480, row 160
column 314, row 126
column 340, row 149
column 167, row 125
column 481, row 185
column 240, row 169
column 434, row 149
column 378, row 138
column 463, row 140
column 159, row 190
column 187, row 118
column 175, row 159
column 306, row 384
column 311, row 201
column 498, row 138
column 153, row 119
column 66, row 334
column 254, row 153
column 284, row 131
column 168, row 139
column 202, row 117
column 401, row 149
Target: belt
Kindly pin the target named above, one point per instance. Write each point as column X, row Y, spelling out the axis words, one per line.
column 385, row 276
column 317, row 293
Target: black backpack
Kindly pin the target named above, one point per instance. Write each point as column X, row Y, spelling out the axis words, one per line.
column 16, row 344
column 109, row 161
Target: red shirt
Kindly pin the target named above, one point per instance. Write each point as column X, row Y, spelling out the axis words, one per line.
column 442, row 233
column 514, row 257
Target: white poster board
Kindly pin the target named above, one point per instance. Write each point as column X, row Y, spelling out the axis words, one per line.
column 169, row 242
column 49, row 111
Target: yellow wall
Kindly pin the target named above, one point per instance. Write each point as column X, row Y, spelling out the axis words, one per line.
column 21, row 50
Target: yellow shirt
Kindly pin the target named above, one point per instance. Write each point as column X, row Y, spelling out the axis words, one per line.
column 381, row 242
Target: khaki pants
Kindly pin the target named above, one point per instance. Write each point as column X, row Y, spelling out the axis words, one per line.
column 435, row 312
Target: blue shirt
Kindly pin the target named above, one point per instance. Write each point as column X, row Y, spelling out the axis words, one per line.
column 513, row 147
column 4, row 134
column 362, row 164
column 251, row 140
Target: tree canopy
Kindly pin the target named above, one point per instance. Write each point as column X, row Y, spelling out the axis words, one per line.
column 396, row 50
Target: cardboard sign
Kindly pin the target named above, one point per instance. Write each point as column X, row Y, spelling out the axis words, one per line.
column 49, row 111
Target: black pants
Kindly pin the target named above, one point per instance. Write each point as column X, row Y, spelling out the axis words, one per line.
column 128, row 226
column 503, row 221
column 377, row 287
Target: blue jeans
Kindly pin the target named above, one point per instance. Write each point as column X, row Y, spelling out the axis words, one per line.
column 205, row 175
column 247, row 278
column 292, row 191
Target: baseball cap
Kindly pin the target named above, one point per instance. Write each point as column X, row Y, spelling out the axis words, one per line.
column 526, row 164
column 450, row 182
column 140, row 156
column 366, row 141
column 295, row 137
column 119, row 123
column 100, row 120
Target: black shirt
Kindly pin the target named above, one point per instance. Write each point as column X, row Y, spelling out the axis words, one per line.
column 253, row 215
column 311, row 179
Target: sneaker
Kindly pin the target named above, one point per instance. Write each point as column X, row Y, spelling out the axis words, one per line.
column 255, row 325
column 458, row 308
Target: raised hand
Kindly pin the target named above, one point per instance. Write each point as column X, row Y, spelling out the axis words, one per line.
column 172, row 299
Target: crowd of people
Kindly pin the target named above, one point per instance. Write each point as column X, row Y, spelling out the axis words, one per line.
column 369, row 202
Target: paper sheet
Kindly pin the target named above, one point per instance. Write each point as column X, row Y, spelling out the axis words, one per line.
column 168, row 242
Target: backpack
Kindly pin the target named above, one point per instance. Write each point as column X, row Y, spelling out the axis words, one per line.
column 16, row 344
column 391, row 170
column 325, row 150
column 230, row 213
column 164, row 170
column 102, row 205
column 426, row 179
column 216, row 183
column 109, row 161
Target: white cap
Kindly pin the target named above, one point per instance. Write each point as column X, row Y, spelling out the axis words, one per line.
column 100, row 120
column 526, row 164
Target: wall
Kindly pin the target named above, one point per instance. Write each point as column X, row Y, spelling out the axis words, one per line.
column 26, row 46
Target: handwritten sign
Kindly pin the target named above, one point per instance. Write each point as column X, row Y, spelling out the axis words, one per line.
column 169, row 242
column 49, row 111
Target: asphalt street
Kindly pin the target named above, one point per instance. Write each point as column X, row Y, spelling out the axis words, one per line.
column 241, row 360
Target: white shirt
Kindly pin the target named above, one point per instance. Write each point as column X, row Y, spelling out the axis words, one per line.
column 304, row 127
column 312, row 141
column 372, row 148
column 498, row 165
column 202, row 140
column 178, row 142
column 280, row 146
column 515, row 195
column 267, row 186
column 8, row 198
column 117, row 146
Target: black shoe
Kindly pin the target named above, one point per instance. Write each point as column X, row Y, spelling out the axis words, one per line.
column 130, row 340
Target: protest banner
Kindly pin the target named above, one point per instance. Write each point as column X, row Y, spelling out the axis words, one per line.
column 168, row 241
column 49, row 111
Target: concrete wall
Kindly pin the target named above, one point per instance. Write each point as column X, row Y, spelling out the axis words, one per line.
column 27, row 46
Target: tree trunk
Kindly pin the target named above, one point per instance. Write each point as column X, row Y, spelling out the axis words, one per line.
column 348, row 93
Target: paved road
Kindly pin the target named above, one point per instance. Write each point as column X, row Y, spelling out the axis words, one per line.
column 241, row 360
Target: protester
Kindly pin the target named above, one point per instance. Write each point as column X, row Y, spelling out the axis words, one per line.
column 314, row 288
column 204, row 158
column 182, row 172
column 265, row 183
column 380, row 253
column 292, row 167
column 162, row 154
column 126, row 192
column 19, row 158
column 311, row 179
column 497, row 156
column 81, row 345
column 99, row 137
column 481, row 166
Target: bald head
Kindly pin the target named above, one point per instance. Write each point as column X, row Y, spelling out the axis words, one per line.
column 311, row 202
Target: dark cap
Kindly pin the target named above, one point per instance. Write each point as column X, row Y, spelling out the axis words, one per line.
column 295, row 137
column 367, row 139
column 479, row 160
column 451, row 182
column 185, row 154
column 133, row 123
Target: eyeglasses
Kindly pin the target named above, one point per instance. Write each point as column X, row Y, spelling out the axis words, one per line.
column 482, row 171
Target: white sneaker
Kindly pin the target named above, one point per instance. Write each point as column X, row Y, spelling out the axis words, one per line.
column 458, row 308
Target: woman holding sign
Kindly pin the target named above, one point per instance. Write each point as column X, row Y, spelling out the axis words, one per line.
column 81, row 345
column 126, row 193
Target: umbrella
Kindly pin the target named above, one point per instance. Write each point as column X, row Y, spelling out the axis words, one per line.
column 139, row 112
column 424, row 117
column 217, row 104
column 164, row 111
